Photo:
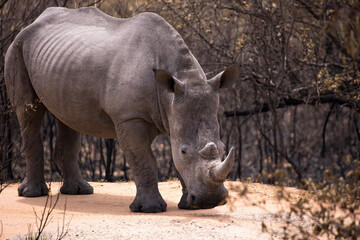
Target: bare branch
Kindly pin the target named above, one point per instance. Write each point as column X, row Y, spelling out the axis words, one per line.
column 284, row 102
column 2, row 4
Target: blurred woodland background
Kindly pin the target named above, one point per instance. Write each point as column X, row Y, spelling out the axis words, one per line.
column 293, row 114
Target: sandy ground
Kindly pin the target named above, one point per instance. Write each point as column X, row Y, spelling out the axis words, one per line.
column 106, row 214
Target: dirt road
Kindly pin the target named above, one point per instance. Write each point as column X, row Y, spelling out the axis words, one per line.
column 106, row 214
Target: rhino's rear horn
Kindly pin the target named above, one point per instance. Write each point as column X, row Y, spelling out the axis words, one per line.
column 220, row 171
column 209, row 151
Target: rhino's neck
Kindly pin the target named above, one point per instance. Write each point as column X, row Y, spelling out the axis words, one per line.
column 176, row 58
column 181, row 63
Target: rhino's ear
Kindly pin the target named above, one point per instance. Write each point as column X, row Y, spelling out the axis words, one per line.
column 168, row 83
column 226, row 78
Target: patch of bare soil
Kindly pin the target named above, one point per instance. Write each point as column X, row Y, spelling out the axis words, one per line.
column 106, row 214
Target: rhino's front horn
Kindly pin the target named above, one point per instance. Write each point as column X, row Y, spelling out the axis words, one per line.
column 222, row 169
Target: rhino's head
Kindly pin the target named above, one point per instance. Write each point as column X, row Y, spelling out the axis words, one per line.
column 191, row 111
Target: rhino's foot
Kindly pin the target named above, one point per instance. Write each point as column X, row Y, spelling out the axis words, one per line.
column 76, row 188
column 33, row 189
column 148, row 204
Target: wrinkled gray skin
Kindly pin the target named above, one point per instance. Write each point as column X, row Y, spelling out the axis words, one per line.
column 130, row 79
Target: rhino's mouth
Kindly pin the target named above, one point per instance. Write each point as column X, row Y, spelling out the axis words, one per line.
column 209, row 199
column 206, row 204
column 190, row 201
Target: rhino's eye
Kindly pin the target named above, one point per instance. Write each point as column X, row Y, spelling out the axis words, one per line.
column 184, row 149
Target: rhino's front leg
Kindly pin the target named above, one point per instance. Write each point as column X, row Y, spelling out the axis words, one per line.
column 135, row 138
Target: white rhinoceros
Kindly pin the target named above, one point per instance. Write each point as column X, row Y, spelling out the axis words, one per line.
column 130, row 79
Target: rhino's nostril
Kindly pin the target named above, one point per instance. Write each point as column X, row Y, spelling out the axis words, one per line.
column 193, row 200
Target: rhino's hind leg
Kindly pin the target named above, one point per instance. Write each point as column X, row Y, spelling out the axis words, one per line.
column 66, row 156
column 30, row 112
column 135, row 138
column 30, row 119
column 30, row 115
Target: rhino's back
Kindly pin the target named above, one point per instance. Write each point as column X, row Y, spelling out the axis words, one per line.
column 62, row 39
column 88, row 67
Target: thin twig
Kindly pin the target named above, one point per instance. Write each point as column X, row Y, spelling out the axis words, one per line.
column 324, row 130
